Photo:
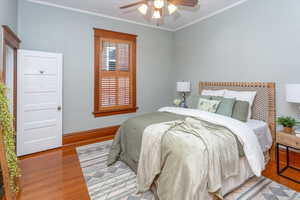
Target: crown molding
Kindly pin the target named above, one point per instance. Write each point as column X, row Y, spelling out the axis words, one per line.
column 98, row 14
column 139, row 23
column 211, row 15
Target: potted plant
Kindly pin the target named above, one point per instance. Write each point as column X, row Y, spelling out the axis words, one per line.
column 288, row 123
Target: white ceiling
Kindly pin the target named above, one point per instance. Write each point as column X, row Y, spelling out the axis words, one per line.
column 110, row 8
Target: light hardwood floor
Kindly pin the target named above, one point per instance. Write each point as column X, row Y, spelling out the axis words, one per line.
column 56, row 175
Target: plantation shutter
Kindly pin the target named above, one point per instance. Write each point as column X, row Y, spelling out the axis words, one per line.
column 114, row 75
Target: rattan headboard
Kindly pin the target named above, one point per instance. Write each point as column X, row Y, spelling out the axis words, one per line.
column 264, row 103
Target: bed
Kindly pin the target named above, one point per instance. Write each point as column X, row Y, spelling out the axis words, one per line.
column 142, row 144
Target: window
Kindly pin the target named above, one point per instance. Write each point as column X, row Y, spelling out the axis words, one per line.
column 115, row 73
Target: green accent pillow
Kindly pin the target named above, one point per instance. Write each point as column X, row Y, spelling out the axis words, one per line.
column 240, row 110
column 192, row 101
column 208, row 105
column 226, row 107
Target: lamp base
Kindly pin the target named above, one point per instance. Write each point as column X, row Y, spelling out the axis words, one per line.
column 183, row 102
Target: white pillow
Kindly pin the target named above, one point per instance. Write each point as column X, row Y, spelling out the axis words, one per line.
column 213, row 92
column 248, row 96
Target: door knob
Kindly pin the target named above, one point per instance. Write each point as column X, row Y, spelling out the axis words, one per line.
column 59, row 108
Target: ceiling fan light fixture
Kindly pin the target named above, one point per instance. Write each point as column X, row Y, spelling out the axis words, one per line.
column 143, row 9
column 172, row 8
column 158, row 4
column 158, row 9
column 156, row 14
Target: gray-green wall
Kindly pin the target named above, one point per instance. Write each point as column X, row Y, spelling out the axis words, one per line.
column 8, row 16
column 71, row 33
column 256, row 41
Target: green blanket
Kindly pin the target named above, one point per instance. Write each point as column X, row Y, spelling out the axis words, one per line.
column 127, row 142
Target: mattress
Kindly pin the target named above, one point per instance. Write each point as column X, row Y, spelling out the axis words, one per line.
column 262, row 132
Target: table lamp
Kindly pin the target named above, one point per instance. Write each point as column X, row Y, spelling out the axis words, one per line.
column 293, row 95
column 183, row 87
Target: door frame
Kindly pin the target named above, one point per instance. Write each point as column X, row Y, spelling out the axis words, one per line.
column 11, row 39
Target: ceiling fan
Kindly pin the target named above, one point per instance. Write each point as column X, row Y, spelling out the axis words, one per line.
column 160, row 8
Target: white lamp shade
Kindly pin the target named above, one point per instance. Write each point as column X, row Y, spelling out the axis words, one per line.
column 183, row 86
column 172, row 8
column 293, row 93
column 143, row 9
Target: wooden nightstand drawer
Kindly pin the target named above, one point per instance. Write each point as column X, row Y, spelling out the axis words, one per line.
column 288, row 139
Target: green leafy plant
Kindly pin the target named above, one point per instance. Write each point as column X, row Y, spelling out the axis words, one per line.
column 6, row 120
column 287, row 122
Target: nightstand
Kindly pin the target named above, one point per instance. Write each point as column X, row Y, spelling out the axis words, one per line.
column 288, row 141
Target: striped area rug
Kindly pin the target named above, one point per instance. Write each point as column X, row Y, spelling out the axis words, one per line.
column 261, row 188
column 118, row 182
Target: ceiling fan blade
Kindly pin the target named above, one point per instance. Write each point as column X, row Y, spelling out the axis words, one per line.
column 190, row 3
column 132, row 4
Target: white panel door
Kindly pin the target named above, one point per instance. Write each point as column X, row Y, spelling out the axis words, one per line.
column 39, row 107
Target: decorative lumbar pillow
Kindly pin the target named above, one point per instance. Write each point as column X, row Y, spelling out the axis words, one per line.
column 248, row 96
column 208, row 105
column 213, row 92
column 241, row 110
column 226, row 106
column 192, row 101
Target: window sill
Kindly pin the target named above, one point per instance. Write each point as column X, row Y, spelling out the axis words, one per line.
column 114, row 112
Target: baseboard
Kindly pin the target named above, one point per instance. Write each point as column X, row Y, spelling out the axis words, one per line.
column 89, row 136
